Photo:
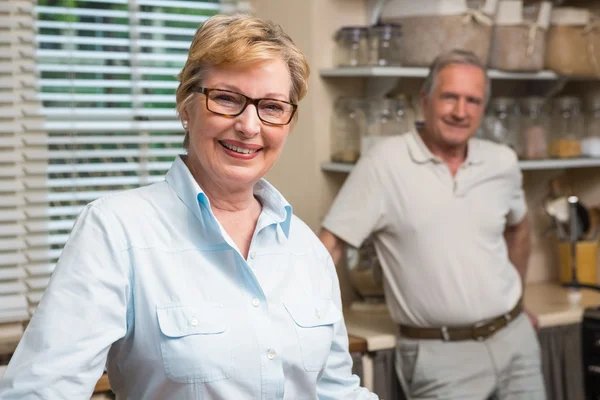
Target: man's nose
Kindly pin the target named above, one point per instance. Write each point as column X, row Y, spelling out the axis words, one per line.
column 459, row 111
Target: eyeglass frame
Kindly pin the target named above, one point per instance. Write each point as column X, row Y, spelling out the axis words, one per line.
column 249, row 100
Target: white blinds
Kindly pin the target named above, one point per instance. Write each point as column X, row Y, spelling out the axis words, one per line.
column 17, row 99
column 106, row 80
column 87, row 108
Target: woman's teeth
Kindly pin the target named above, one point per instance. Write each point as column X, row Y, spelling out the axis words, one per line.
column 240, row 150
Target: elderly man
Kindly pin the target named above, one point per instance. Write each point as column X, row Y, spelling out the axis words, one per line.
column 448, row 218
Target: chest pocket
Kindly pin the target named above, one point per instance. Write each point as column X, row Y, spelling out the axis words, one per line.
column 314, row 321
column 195, row 343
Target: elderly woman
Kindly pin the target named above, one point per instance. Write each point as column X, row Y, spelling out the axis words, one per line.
column 204, row 286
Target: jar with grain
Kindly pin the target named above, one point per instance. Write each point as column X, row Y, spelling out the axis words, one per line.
column 567, row 128
column 590, row 145
column 384, row 45
column 352, row 47
column 534, row 127
column 348, row 127
column 500, row 123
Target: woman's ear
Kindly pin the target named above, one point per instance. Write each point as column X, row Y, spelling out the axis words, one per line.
column 185, row 120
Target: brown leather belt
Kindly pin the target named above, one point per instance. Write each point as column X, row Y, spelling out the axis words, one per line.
column 480, row 331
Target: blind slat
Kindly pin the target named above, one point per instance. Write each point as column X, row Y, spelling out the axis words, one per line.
column 110, row 167
column 12, row 273
column 40, row 269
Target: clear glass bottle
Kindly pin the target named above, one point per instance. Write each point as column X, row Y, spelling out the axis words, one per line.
column 386, row 117
column 384, row 45
column 348, row 127
column 351, row 46
column 590, row 145
column 534, row 128
column 500, row 123
column 567, row 128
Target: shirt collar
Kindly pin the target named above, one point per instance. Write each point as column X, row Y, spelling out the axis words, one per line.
column 187, row 189
column 421, row 154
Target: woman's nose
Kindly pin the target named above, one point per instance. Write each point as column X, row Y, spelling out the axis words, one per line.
column 248, row 123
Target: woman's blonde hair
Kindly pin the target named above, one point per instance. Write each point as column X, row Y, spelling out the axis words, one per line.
column 225, row 40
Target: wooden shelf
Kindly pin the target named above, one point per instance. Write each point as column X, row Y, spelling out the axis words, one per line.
column 526, row 165
column 415, row 72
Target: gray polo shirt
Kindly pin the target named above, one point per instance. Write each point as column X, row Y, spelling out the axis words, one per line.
column 439, row 238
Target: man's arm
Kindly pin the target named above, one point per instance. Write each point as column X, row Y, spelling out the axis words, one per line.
column 335, row 246
column 518, row 242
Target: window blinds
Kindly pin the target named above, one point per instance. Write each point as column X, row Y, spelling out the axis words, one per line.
column 87, row 108
column 17, row 109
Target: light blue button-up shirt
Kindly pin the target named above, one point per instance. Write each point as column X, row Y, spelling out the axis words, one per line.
column 150, row 285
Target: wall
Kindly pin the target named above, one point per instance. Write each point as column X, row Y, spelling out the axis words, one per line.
column 312, row 24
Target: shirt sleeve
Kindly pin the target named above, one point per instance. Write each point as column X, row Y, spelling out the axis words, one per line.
column 358, row 209
column 82, row 313
column 337, row 381
column 517, row 207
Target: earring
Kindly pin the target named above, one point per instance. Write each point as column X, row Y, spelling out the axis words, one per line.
column 185, row 124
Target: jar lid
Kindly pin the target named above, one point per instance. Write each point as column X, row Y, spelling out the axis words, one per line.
column 532, row 101
column 566, row 102
column 502, row 102
column 593, row 103
column 354, row 33
column 387, row 31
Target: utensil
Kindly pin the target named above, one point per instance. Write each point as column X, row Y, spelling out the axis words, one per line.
column 574, row 232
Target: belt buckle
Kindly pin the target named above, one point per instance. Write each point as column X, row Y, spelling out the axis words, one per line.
column 476, row 326
column 445, row 334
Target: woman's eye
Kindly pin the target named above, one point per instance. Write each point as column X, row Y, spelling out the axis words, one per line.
column 272, row 107
column 225, row 99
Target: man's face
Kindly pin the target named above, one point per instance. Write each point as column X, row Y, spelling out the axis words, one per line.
column 453, row 110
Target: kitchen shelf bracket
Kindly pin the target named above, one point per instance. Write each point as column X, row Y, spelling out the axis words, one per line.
column 380, row 86
column 374, row 9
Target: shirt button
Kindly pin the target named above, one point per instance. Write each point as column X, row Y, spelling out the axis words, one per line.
column 193, row 322
column 271, row 354
column 255, row 302
column 252, row 255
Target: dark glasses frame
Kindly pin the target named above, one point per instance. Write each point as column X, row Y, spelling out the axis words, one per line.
column 249, row 100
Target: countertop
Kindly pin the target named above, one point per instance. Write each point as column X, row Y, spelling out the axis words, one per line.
column 548, row 301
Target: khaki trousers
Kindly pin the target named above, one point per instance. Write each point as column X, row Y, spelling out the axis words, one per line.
column 506, row 366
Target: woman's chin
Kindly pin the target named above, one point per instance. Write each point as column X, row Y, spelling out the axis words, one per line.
column 240, row 176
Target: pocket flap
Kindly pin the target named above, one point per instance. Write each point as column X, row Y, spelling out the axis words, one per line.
column 314, row 313
column 177, row 320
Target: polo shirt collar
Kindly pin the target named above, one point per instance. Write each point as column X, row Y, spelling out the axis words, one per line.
column 421, row 154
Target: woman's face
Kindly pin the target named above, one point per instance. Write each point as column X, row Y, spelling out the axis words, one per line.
column 237, row 151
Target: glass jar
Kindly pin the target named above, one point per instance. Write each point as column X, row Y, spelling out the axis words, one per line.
column 351, row 46
column 568, row 128
column 348, row 127
column 384, row 45
column 535, row 125
column 386, row 117
column 590, row 145
column 500, row 123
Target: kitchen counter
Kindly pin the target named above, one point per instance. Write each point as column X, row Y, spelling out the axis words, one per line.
column 548, row 301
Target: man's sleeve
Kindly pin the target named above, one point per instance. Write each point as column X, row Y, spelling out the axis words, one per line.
column 358, row 209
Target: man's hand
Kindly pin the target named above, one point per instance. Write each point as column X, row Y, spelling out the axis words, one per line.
column 533, row 319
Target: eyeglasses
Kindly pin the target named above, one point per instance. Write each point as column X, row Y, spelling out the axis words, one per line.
column 232, row 104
